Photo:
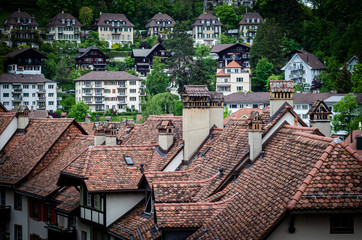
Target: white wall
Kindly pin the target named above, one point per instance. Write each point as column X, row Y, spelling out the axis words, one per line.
column 38, row 228
column 16, row 216
column 8, row 132
column 315, row 227
column 82, row 227
column 117, row 204
column 176, row 161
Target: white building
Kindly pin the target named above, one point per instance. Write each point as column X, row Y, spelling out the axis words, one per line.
column 206, row 30
column 103, row 90
column 233, row 78
column 33, row 91
column 351, row 63
column 302, row 68
column 249, row 25
column 115, row 28
column 24, row 61
column 64, row 27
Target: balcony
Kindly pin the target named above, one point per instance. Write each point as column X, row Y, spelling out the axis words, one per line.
column 87, row 86
column 99, row 94
column 41, row 90
column 87, row 94
column 122, row 86
column 98, row 86
column 99, row 109
column 99, row 102
column 17, row 90
column 5, row 213
column 123, row 93
column 17, row 99
column 41, row 99
column 41, row 107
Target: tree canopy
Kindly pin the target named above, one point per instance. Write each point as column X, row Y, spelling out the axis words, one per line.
column 348, row 114
column 262, row 72
column 157, row 81
column 78, row 111
column 357, row 79
column 162, row 103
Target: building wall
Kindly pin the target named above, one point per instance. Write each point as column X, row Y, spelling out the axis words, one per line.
column 8, row 132
column 117, row 204
column 315, row 227
column 60, row 33
column 176, row 161
column 16, row 216
column 213, row 33
column 125, row 35
column 38, row 228
column 28, row 69
column 83, row 227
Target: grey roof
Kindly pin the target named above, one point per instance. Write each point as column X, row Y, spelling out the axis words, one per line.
column 221, row 47
column 107, row 75
column 144, row 52
column 83, row 51
column 23, row 78
column 249, row 97
column 159, row 16
column 311, row 60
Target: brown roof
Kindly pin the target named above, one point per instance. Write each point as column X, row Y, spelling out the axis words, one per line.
column 248, row 97
column 2, row 108
column 12, row 19
column 251, row 15
column 69, row 199
column 206, row 17
column 221, row 47
column 281, row 86
column 88, row 127
column 31, row 52
column 159, row 16
column 233, row 64
column 23, row 78
column 105, row 75
column 101, row 21
column 38, row 114
column 243, row 113
column 353, row 144
column 311, row 60
column 44, row 182
column 196, row 91
column 57, row 20
column 31, row 150
column 5, row 120
column 222, row 73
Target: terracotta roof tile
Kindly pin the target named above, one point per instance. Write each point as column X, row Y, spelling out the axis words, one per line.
column 222, row 73
column 233, row 64
column 69, row 199
column 88, row 127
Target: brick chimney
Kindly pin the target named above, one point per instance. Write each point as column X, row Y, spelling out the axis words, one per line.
column 201, row 110
column 165, row 135
column 281, row 91
column 319, row 117
column 110, row 133
column 23, row 118
column 99, row 136
column 254, row 135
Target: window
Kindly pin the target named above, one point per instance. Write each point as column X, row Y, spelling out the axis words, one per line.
column 205, row 151
column 132, row 90
column 6, row 86
column 26, row 103
column 51, row 103
column 298, row 106
column 233, row 106
column 50, row 94
column 241, row 88
column 50, row 86
column 132, row 82
column 26, row 86
column 107, row 90
column 18, row 232
column 304, row 106
column 341, row 223
column 84, row 236
column 26, row 94
column 18, row 202
column 33, row 94
column 132, row 99
column 239, row 79
column 34, row 210
column 129, row 161
column 305, row 116
column 6, row 103
column 5, row 94
column 2, row 197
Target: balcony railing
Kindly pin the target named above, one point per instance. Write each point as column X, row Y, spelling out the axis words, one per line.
column 17, row 90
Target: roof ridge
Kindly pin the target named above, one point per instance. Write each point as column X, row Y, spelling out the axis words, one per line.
column 300, row 127
column 297, row 196
column 87, row 161
column 316, row 137
column 171, row 172
column 351, row 150
column 219, row 204
column 187, row 181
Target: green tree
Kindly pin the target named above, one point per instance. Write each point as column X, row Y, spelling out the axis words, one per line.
column 348, row 114
column 4, row 49
column 67, row 102
column 78, row 111
column 268, row 44
column 151, row 41
column 357, row 79
column 86, row 16
column 329, row 76
column 263, row 70
column 343, row 83
column 180, row 47
column 202, row 50
column 227, row 16
column 130, row 62
column 226, row 112
column 162, row 103
column 157, row 80
column 225, row 39
column 62, row 75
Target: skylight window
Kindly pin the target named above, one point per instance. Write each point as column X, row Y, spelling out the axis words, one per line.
column 129, row 161
column 205, row 151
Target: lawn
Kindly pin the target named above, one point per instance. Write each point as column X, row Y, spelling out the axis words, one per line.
column 117, row 118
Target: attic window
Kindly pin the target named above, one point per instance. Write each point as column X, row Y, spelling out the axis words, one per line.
column 205, row 151
column 129, row 161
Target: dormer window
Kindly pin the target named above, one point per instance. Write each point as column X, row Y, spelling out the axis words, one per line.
column 18, row 20
column 73, row 21
column 63, row 21
column 202, row 21
column 29, row 20
column 213, row 21
column 157, row 22
column 118, row 23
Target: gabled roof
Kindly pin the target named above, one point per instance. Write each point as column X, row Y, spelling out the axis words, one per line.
column 57, row 20
column 206, row 16
column 159, row 16
column 196, row 91
column 221, row 47
column 3, row 108
column 83, row 51
column 101, row 21
column 107, row 75
column 12, row 19
column 251, row 15
column 222, row 73
column 23, row 78
column 354, row 57
column 244, row 113
column 144, row 52
column 308, row 58
column 29, row 51
column 319, row 106
column 233, row 64
column 68, row 198
column 353, row 144
column 248, row 97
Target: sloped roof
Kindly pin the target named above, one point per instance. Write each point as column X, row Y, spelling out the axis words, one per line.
column 281, row 86
column 23, row 78
column 159, row 16
column 221, row 47
column 101, row 21
column 353, row 144
column 12, row 19
column 233, row 64
column 5, row 120
column 196, row 91
column 57, row 20
column 222, row 73
column 3, row 108
column 311, row 60
column 105, row 75
column 206, row 17
column 248, row 97
column 83, row 51
column 251, row 15
column 144, row 52
column 69, row 199
column 243, row 113
column 32, row 51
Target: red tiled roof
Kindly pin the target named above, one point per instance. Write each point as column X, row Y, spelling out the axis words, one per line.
column 353, row 145
column 243, row 113
column 281, row 86
column 222, row 73
column 44, row 182
column 5, row 120
column 88, row 127
column 233, row 64
column 25, row 150
column 196, row 91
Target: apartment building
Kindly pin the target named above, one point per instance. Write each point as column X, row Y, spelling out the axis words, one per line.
column 233, row 78
column 114, row 28
column 64, row 27
column 206, row 29
column 24, row 61
column 249, row 25
column 33, row 91
column 21, row 29
column 160, row 25
column 117, row 90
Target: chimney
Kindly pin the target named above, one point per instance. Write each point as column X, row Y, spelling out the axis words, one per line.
column 23, row 118
column 165, row 135
column 319, row 117
column 281, row 91
column 110, row 133
column 254, row 135
column 87, row 117
column 99, row 137
column 201, row 111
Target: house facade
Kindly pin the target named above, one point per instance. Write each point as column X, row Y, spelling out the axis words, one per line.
column 144, row 57
column 352, row 62
column 64, row 27
column 33, row 91
column 91, row 58
column 227, row 53
column 160, row 25
column 115, row 28
column 21, row 29
column 233, row 78
column 206, row 29
column 302, row 68
column 248, row 26
column 24, row 61
column 117, row 90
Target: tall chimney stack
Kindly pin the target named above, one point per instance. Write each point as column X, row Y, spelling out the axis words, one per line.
column 281, row 91
column 23, row 118
column 165, row 135
column 319, row 117
column 254, row 135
